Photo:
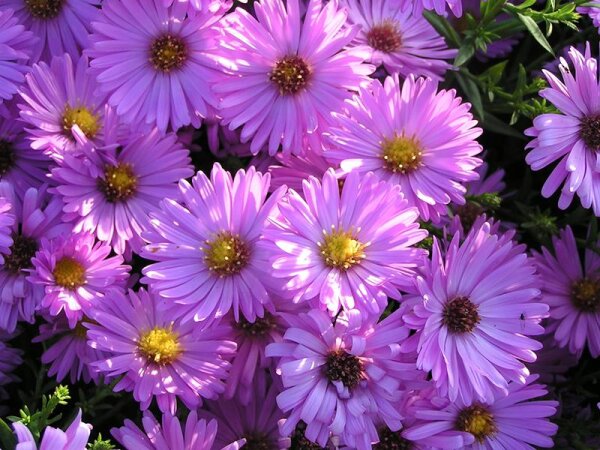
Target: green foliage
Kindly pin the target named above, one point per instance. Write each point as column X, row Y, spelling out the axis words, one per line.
column 101, row 444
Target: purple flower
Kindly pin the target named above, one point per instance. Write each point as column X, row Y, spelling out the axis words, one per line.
column 155, row 61
column 400, row 39
column 68, row 354
column 439, row 6
column 593, row 11
column 76, row 272
column 287, row 74
column 210, row 252
column 571, row 137
column 342, row 378
column 62, row 26
column 516, row 421
column 214, row 6
column 20, row 165
column 198, row 434
column 10, row 358
column 159, row 357
column 16, row 49
column 7, row 220
column 110, row 190
column 75, row 438
column 37, row 216
column 57, row 97
column 572, row 291
column 414, row 136
column 478, row 303
column 350, row 249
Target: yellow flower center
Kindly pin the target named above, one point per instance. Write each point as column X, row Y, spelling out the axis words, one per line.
column 168, row 53
column 585, row 295
column 84, row 118
column 119, row 182
column 160, row 345
column 401, row 154
column 290, row 74
column 226, row 254
column 341, row 250
column 44, row 9
column 69, row 273
column 478, row 421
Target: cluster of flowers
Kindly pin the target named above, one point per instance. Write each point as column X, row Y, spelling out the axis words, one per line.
column 292, row 304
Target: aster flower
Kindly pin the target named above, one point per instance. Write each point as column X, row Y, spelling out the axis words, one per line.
column 516, row 421
column 20, row 165
column 10, row 358
column 76, row 272
column 214, row 6
column 255, row 421
column 17, row 46
column 572, row 290
column 36, row 216
column 75, row 438
column 210, row 252
column 111, row 190
column 62, row 26
column 287, row 75
column 478, row 306
column 400, row 39
column 412, row 135
column 347, row 250
column 158, row 357
column 439, row 6
column 571, row 136
column 593, row 11
column 7, row 220
column 58, row 96
column 169, row 434
column 155, row 61
column 68, row 354
column 342, row 378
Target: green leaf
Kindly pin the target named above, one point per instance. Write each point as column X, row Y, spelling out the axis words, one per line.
column 465, row 53
column 535, row 31
column 7, row 438
column 471, row 90
column 443, row 27
column 495, row 125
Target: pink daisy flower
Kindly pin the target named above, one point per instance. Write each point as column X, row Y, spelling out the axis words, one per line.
column 210, row 252
column 110, row 190
column 287, row 74
column 154, row 62
column 36, row 216
column 76, row 271
column 56, row 98
column 477, row 306
column 17, row 44
column 62, row 26
column 158, row 357
column 401, row 40
column 350, row 249
column 169, row 434
column 412, row 135
column 572, row 290
column 342, row 378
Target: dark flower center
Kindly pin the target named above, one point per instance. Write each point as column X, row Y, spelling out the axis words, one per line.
column 168, row 53
column 340, row 250
column 258, row 441
column 589, row 132
column 226, row 254
column 384, row 37
column 69, row 273
column 299, row 441
column 21, row 252
column 344, row 367
column 260, row 327
column 401, row 154
column 119, row 182
column 7, row 157
column 87, row 121
column 468, row 213
column 44, row 9
column 585, row 295
column 392, row 440
column 478, row 421
column 290, row 74
column 460, row 315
